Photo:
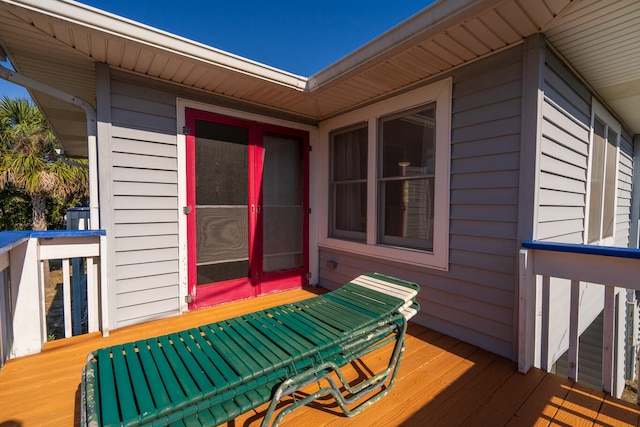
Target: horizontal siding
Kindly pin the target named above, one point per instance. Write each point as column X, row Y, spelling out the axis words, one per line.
column 564, row 149
column 474, row 299
column 625, row 181
column 145, row 199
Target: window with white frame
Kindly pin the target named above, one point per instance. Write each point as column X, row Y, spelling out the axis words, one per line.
column 602, row 177
column 387, row 169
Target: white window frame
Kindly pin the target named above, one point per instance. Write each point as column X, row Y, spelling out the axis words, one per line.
column 600, row 112
column 440, row 93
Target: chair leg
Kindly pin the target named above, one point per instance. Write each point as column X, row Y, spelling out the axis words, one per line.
column 354, row 394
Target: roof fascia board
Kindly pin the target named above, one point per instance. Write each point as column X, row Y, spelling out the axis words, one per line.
column 430, row 21
column 108, row 23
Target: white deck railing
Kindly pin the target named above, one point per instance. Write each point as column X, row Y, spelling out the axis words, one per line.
column 23, row 328
column 540, row 262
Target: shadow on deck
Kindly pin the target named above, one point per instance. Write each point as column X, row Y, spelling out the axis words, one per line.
column 442, row 381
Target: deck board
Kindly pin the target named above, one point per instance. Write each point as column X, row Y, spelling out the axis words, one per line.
column 442, row 381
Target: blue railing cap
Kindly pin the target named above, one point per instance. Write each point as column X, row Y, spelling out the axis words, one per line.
column 611, row 251
column 44, row 234
column 11, row 239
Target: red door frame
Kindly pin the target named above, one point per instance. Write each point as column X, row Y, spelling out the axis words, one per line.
column 257, row 283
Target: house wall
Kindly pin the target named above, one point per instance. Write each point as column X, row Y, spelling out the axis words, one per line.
column 562, row 204
column 144, row 223
column 141, row 211
column 474, row 299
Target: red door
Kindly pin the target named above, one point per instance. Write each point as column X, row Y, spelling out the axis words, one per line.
column 247, row 202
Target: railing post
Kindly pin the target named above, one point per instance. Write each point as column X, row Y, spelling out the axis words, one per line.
column 526, row 312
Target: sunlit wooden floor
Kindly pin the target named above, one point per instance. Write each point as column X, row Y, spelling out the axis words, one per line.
column 442, row 382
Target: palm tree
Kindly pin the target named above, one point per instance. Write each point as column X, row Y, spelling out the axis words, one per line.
column 30, row 161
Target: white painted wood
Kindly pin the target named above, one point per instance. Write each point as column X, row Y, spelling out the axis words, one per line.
column 589, row 268
column 574, row 322
column 526, row 312
column 546, row 324
column 608, row 336
column 28, row 315
column 71, row 247
column 66, row 292
column 105, row 128
column 104, row 290
column 93, row 292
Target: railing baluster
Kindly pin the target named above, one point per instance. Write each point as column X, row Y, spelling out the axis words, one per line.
column 607, row 338
column 544, row 341
column 92, row 296
column 574, row 322
column 66, row 292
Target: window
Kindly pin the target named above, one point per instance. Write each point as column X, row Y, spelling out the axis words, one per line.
column 603, row 177
column 387, row 175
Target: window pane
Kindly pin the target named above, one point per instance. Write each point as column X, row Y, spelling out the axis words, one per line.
column 409, row 140
column 348, row 183
column 349, row 155
column 352, row 214
column 221, row 162
column 608, row 214
column 408, row 213
column 406, row 185
column 596, row 184
column 283, row 192
column 222, row 239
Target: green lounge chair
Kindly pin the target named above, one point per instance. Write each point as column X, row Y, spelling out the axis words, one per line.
column 211, row 374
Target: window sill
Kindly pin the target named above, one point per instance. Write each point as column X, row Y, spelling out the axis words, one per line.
column 415, row 257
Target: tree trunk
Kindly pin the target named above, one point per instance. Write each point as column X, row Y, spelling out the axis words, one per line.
column 39, row 205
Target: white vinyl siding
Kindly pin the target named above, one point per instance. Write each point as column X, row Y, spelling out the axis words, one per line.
column 625, row 180
column 145, row 202
column 473, row 300
column 566, row 115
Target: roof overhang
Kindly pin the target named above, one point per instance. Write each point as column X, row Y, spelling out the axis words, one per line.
column 59, row 42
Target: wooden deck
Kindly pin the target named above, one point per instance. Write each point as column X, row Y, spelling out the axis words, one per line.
column 442, row 381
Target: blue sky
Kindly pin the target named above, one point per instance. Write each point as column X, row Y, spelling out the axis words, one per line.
column 298, row 37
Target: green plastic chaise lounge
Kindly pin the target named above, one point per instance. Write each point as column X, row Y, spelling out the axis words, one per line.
column 211, row 374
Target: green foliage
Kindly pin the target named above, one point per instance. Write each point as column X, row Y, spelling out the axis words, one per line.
column 15, row 209
column 32, row 168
